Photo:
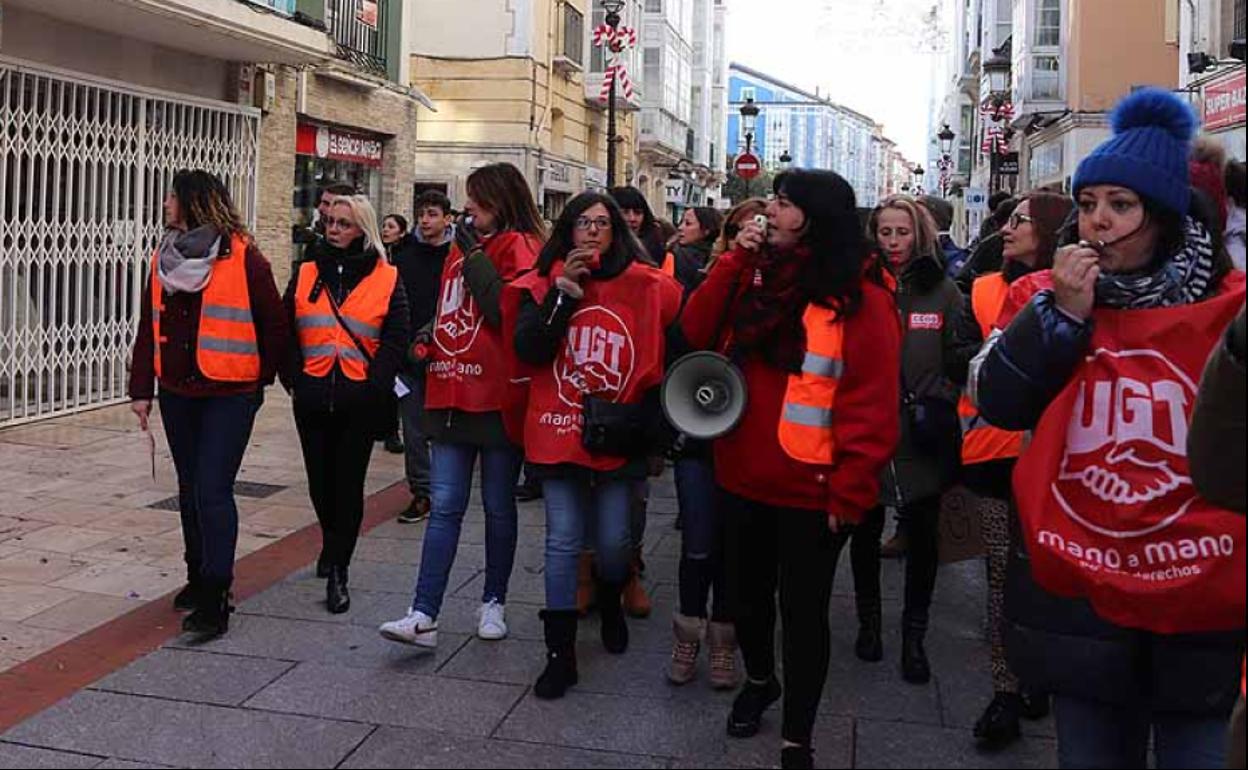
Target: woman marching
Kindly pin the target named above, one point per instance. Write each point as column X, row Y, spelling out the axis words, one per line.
column 350, row 312
column 467, row 393
column 819, row 346
column 1115, row 606
column 703, row 571
column 590, row 328
column 216, row 313
column 1029, row 239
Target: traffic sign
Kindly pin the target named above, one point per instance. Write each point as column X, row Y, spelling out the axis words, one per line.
column 976, row 199
column 748, row 166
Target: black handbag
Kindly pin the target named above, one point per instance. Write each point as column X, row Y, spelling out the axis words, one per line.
column 618, row 430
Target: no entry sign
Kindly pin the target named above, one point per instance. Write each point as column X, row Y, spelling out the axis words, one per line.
column 748, row 166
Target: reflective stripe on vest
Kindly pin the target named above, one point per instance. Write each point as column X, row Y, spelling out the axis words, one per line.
column 810, row 400
column 226, row 349
column 981, row 442
column 322, row 339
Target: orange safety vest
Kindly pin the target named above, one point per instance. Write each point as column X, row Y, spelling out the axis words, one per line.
column 225, row 347
column 323, row 340
column 669, row 264
column 981, row 442
column 809, row 401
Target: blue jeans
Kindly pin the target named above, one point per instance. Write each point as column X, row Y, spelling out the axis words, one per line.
column 1098, row 735
column 702, row 568
column 207, row 438
column 450, row 485
column 570, row 504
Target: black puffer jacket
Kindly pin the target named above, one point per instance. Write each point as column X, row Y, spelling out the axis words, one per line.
column 931, row 309
column 1061, row 645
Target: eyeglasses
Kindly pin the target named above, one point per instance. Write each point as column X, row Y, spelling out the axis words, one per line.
column 1017, row 219
column 601, row 223
column 341, row 224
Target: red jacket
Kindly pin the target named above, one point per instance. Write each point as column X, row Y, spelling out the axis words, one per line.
column 749, row 461
column 180, row 327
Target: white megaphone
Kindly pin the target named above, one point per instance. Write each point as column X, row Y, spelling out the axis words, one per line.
column 704, row 395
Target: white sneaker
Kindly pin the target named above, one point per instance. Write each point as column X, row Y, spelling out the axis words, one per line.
column 417, row 629
column 492, row 626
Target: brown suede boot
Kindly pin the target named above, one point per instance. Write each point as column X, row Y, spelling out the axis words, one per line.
column 686, row 641
column 722, row 639
column 585, row 582
column 636, row 600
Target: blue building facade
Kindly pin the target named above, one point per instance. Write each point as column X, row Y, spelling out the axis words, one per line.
column 815, row 131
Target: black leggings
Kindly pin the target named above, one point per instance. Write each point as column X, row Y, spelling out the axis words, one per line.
column 336, row 449
column 922, row 528
column 791, row 550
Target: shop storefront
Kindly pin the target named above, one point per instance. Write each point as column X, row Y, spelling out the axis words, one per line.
column 325, row 154
column 1223, row 113
column 560, row 182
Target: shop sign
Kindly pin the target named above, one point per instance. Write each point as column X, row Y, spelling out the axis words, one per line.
column 674, row 191
column 596, row 178
column 1224, row 101
column 339, row 144
column 560, row 177
column 1006, row 165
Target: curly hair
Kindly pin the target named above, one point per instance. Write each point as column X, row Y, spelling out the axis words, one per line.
column 204, row 200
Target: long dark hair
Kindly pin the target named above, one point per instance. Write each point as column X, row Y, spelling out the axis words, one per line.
column 651, row 235
column 204, row 200
column 500, row 187
column 833, row 275
column 625, row 248
column 711, row 222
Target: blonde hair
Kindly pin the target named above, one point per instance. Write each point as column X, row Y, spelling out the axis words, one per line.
column 926, row 239
column 365, row 217
column 1206, row 149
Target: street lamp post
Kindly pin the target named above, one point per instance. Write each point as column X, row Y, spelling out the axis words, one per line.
column 918, row 179
column 613, row 8
column 786, row 160
column 997, row 69
column 749, row 120
column 945, row 164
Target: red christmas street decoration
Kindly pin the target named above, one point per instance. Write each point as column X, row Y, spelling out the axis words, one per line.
column 615, row 41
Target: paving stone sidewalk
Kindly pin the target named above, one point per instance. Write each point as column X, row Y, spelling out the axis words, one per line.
column 292, row 686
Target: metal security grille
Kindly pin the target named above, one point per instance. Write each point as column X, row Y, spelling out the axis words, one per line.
column 84, row 167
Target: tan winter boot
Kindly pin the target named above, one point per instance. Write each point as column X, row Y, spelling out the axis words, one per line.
column 636, row 600
column 722, row 639
column 687, row 640
column 584, row 582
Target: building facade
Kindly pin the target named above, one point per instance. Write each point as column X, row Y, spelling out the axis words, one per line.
column 108, row 99
column 519, row 81
column 810, row 128
column 1209, row 71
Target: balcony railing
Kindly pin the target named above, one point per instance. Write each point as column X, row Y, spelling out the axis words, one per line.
column 358, row 28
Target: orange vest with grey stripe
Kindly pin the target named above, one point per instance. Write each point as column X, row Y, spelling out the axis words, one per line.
column 225, row 349
column 810, row 400
column 323, row 340
column 981, row 442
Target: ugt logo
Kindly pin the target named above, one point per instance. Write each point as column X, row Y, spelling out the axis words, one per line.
column 597, row 358
column 458, row 321
column 1125, row 473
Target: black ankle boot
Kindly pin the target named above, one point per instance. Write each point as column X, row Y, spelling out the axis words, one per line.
column 186, row 599
column 560, row 673
column 322, row 566
column 914, row 666
column 998, row 727
column 870, row 644
column 211, row 617
column 336, row 596
column 614, row 627
column 748, row 708
column 800, row 757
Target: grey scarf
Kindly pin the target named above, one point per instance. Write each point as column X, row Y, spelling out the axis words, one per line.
column 186, row 259
column 1181, row 280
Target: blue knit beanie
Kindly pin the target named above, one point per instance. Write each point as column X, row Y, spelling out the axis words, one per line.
column 1148, row 152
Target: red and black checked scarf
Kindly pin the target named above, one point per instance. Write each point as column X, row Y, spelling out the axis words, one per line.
column 768, row 321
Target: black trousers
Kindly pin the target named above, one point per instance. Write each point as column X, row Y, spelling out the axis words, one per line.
column 336, row 449
column 922, row 519
column 791, row 551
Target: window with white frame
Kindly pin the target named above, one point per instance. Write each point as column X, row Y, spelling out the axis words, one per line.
column 966, row 137
column 1048, row 23
column 1003, row 23
column 1046, row 78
